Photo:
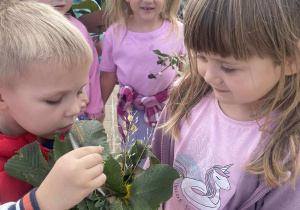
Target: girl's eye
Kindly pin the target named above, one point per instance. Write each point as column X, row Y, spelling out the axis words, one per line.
column 227, row 70
column 201, row 57
column 80, row 92
column 53, row 102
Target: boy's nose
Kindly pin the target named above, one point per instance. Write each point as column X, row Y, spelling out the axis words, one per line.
column 74, row 107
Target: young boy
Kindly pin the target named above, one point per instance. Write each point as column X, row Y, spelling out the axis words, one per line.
column 44, row 65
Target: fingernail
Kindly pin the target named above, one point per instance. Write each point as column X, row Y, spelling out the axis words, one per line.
column 102, row 148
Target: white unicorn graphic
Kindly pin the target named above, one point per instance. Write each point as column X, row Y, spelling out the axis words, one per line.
column 203, row 195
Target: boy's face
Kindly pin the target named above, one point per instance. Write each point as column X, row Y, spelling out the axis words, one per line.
column 62, row 6
column 45, row 101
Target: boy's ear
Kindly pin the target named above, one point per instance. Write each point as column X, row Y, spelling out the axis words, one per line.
column 2, row 102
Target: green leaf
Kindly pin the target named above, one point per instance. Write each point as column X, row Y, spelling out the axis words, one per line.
column 51, row 159
column 152, row 187
column 118, row 205
column 61, row 147
column 28, row 165
column 82, row 205
column 173, row 61
column 101, row 204
column 113, row 172
column 88, row 4
column 128, row 166
column 160, row 53
column 154, row 160
column 90, row 204
column 138, row 151
column 179, row 72
column 91, row 133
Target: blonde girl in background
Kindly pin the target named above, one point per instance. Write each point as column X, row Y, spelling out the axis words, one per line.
column 139, row 27
column 94, row 105
column 232, row 125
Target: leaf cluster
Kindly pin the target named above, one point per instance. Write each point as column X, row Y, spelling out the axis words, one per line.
column 173, row 61
column 87, row 6
column 127, row 186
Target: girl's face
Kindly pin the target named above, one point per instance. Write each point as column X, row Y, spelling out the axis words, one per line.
column 146, row 10
column 238, row 84
column 62, row 6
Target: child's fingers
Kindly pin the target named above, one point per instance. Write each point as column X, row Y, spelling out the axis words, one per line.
column 99, row 180
column 91, row 160
column 95, row 171
column 84, row 151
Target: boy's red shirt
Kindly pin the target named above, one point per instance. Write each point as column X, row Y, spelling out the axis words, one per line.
column 12, row 189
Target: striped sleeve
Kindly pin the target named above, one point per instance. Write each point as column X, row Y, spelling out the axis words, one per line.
column 28, row 202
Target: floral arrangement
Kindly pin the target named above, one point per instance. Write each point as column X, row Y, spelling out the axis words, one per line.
column 127, row 186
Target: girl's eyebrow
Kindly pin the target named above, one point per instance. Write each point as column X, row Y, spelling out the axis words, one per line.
column 224, row 60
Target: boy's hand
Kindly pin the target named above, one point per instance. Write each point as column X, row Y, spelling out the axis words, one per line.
column 73, row 177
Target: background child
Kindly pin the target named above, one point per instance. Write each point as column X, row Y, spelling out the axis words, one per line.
column 127, row 57
column 235, row 114
column 40, row 49
column 95, row 105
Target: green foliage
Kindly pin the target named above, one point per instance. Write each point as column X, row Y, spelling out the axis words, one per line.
column 90, row 133
column 119, row 205
column 153, row 187
column 131, row 186
column 85, row 7
column 103, row 4
column 28, row 165
column 167, row 61
column 61, row 147
column 114, row 180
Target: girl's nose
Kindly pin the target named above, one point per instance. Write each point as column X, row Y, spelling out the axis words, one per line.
column 212, row 75
column 148, row 1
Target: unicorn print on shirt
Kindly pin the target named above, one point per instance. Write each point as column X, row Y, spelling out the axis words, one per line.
column 202, row 194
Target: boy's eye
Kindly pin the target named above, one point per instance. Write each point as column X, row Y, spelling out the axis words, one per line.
column 53, row 102
column 80, row 92
column 227, row 70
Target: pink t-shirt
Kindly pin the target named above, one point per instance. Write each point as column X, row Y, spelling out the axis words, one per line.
column 132, row 59
column 95, row 105
column 209, row 156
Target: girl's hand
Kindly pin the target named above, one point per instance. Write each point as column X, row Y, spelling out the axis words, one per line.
column 73, row 177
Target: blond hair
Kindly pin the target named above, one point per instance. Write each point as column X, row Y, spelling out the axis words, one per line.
column 34, row 33
column 242, row 29
column 118, row 11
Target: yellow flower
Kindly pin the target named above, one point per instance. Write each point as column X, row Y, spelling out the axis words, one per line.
column 130, row 118
column 128, row 188
column 125, row 132
column 125, row 198
column 124, row 124
column 133, row 128
column 126, row 202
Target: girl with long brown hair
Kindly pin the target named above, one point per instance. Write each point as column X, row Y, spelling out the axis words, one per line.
column 231, row 127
